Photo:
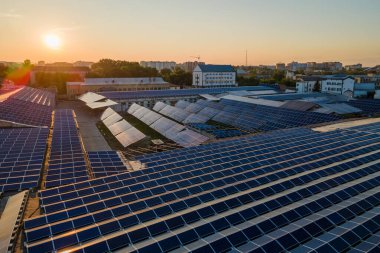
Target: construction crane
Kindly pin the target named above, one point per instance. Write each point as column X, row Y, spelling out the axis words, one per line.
column 196, row 57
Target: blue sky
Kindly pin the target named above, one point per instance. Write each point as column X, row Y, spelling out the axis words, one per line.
column 218, row 30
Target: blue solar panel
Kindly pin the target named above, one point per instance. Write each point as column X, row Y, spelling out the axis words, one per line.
column 314, row 180
column 216, row 131
column 367, row 106
column 370, row 128
column 292, row 96
column 255, row 118
column 28, row 106
column 105, row 163
column 25, row 112
column 21, row 157
column 66, row 161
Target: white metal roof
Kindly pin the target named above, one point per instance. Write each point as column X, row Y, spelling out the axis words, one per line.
column 108, row 112
column 106, row 103
column 112, row 119
column 90, row 97
column 119, row 127
column 257, row 101
column 209, row 97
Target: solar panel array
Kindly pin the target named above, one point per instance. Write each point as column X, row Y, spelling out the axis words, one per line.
column 252, row 117
column 182, row 104
column 291, row 190
column 124, row 132
column 36, row 96
column 216, row 131
column 168, row 128
column 293, row 96
column 178, row 114
column 67, row 162
column 28, row 106
column 25, row 112
column 201, row 111
column 175, row 93
column 105, row 163
column 366, row 105
column 22, row 152
column 255, row 118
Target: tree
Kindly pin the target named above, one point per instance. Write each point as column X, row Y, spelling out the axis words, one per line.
column 288, row 83
column 180, row 77
column 57, row 80
column 317, row 87
column 3, row 70
column 250, row 81
column 113, row 68
column 278, row 75
column 27, row 63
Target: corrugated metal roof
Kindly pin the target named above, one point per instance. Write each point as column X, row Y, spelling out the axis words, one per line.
column 209, row 97
column 257, row 101
column 242, row 93
column 262, row 92
column 106, row 103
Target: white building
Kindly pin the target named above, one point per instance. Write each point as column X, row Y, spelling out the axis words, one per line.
column 307, row 84
column 338, row 84
column 214, row 76
column 159, row 65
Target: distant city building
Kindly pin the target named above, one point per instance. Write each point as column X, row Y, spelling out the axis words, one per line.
column 354, row 66
column 338, row 84
column 296, row 66
column 117, row 84
column 87, row 64
column 324, row 66
column 159, row 65
column 55, row 68
column 280, row 66
column 272, row 67
column 214, row 76
column 8, row 63
column 189, row 66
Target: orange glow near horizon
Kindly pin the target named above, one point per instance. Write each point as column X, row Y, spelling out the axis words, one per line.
column 220, row 32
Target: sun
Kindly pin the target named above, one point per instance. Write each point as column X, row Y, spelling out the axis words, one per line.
column 52, row 41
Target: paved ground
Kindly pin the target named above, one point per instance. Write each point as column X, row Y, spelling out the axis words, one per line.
column 92, row 138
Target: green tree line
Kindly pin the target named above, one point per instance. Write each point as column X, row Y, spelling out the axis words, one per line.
column 114, row 68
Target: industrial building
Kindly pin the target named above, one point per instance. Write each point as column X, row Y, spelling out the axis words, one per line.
column 75, row 89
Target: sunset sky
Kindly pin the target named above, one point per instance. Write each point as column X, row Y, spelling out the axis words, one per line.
column 218, row 30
